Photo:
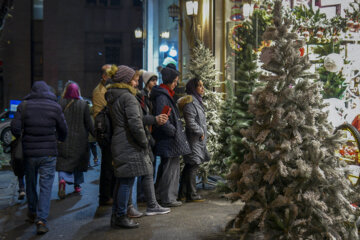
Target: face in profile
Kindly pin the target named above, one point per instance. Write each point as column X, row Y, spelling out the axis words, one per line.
column 174, row 83
column 200, row 88
column 135, row 81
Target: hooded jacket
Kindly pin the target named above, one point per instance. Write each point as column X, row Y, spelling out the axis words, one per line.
column 129, row 143
column 170, row 138
column 44, row 122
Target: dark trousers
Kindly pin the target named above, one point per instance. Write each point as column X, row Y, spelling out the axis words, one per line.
column 122, row 195
column 21, row 183
column 107, row 179
column 167, row 183
column 92, row 146
column 188, row 181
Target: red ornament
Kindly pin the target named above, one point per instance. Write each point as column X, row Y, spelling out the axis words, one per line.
column 302, row 51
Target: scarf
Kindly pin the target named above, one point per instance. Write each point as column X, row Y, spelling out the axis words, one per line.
column 171, row 92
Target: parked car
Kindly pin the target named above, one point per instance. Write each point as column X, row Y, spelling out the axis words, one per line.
column 5, row 130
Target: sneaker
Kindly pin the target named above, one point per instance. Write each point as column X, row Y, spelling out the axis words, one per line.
column 158, row 210
column 77, row 188
column 61, row 192
column 21, row 195
column 41, row 228
column 133, row 212
column 172, row 204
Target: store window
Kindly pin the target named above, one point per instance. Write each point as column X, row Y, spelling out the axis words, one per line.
column 112, row 55
column 38, row 10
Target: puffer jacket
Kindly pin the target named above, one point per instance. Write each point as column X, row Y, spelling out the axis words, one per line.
column 170, row 138
column 74, row 153
column 44, row 122
column 129, row 144
column 195, row 120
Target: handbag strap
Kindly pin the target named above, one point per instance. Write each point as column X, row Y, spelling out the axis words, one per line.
column 68, row 105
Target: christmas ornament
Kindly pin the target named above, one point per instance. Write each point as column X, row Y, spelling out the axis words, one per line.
column 302, row 51
column 350, row 23
column 333, row 62
column 234, row 37
column 236, row 13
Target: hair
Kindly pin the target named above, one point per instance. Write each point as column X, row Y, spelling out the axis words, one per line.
column 110, row 71
column 66, row 86
column 191, row 85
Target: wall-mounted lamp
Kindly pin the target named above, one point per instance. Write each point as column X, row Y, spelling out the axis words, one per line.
column 192, row 8
column 138, row 33
column 165, row 35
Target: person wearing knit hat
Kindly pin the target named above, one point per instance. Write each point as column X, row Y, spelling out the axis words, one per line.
column 130, row 147
column 150, row 80
column 171, row 142
column 124, row 74
column 169, row 75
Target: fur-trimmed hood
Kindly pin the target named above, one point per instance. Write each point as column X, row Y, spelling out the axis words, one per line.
column 116, row 89
column 183, row 101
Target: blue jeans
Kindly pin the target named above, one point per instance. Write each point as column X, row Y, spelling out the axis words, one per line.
column 122, row 195
column 45, row 166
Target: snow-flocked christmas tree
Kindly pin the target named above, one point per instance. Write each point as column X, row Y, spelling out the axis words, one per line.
column 290, row 179
column 226, row 127
column 202, row 66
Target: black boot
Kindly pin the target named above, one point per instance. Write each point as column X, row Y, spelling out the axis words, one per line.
column 123, row 222
column 191, row 185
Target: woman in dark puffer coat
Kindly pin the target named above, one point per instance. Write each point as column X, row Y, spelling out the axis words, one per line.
column 74, row 154
column 129, row 146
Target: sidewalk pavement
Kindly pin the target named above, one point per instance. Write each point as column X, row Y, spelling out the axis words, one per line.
column 8, row 188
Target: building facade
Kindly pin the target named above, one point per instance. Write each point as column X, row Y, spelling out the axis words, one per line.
column 57, row 41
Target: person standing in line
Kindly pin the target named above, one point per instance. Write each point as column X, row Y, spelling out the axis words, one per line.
column 129, row 145
column 74, row 153
column 170, row 139
column 107, row 179
column 193, row 111
column 44, row 125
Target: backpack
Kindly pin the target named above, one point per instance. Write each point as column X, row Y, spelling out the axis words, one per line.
column 103, row 127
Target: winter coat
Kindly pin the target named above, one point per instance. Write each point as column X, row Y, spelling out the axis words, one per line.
column 74, row 152
column 98, row 98
column 44, row 122
column 129, row 144
column 149, row 121
column 195, row 120
column 170, row 138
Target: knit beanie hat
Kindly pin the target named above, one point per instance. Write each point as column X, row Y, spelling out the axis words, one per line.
column 168, row 75
column 124, row 74
column 147, row 76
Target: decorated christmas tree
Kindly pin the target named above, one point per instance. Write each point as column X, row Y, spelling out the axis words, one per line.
column 290, row 179
column 202, row 66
